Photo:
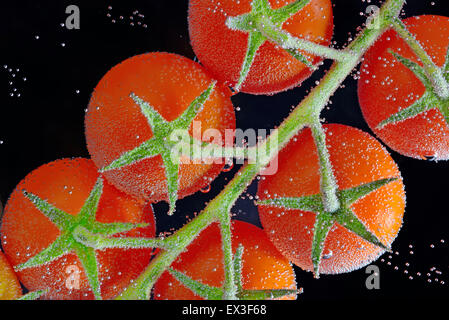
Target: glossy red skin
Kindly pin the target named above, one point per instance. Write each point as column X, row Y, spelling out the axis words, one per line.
column 222, row 50
column 25, row 231
column 263, row 266
column 385, row 87
column 115, row 124
column 357, row 158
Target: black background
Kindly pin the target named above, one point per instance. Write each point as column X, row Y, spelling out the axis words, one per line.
column 45, row 122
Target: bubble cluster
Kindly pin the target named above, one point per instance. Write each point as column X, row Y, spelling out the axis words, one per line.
column 135, row 19
column 404, row 265
column 15, row 79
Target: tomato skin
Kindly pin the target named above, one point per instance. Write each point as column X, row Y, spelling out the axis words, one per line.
column 386, row 86
column 9, row 284
column 263, row 266
column 115, row 124
column 357, row 158
column 26, row 231
column 222, row 50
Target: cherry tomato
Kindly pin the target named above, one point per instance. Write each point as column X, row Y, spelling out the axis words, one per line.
column 26, row 231
column 115, row 124
column 222, row 50
column 263, row 267
column 357, row 159
column 9, row 285
column 386, row 86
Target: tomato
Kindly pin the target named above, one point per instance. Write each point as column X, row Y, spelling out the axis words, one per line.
column 9, row 285
column 263, row 267
column 115, row 123
column 26, row 231
column 357, row 159
column 386, row 86
column 222, row 50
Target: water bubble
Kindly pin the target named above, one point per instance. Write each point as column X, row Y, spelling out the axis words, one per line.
column 328, row 255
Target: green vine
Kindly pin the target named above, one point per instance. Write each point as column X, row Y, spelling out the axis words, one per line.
column 304, row 115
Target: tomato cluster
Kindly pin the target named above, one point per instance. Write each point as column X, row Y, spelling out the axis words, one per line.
column 141, row 102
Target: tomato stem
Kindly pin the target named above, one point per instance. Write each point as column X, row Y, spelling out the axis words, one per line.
column 328, row 183
column 229, row 287
column 434, row 73
column 265, row 24
column 287, row 41
column 303, row 115
column 99, row 241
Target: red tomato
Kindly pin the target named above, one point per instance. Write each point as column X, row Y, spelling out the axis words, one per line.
column 357, row 159
column 9, row 285
column 115, row 123
column 222, row 50
column 386, row 86
column 25, row 231
column 263, row 266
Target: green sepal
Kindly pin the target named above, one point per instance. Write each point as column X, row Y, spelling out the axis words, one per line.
column 429, row 99
column 271, row 21
column 33, row 295
column 323, row 224
column 324, row 221
column 444, row 109
column 186, row 118
column 266, row 294
column 89, row 210
column 146, row 150
column 200, row 289
column 159, row 144
column 154, row 118
column 282, row 14
column 60, row 218
column 58, row 248
column 71, row 232
column 307, row 203
column 426, row 102
column 301, row 58
column 349, row 196
column 417, row 70
column 255, row 40
column 351, row 222
column 89, row 261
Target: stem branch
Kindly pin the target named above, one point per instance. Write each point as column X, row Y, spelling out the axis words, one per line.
column 433, row 72
column 303, row 115
column 328, row 184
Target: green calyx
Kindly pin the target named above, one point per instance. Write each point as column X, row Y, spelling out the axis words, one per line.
column 434, row 79
column 165, row 138
column 265, row 24
column 325, row 220
column 69, row 227
column 33, row 295
column 214, row 293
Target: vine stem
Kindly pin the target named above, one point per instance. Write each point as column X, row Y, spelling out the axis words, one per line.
column 328, row 183
column 229, row 287
column 303, row 115
column 433, row 72
column 286, row 41
column 99, row 241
